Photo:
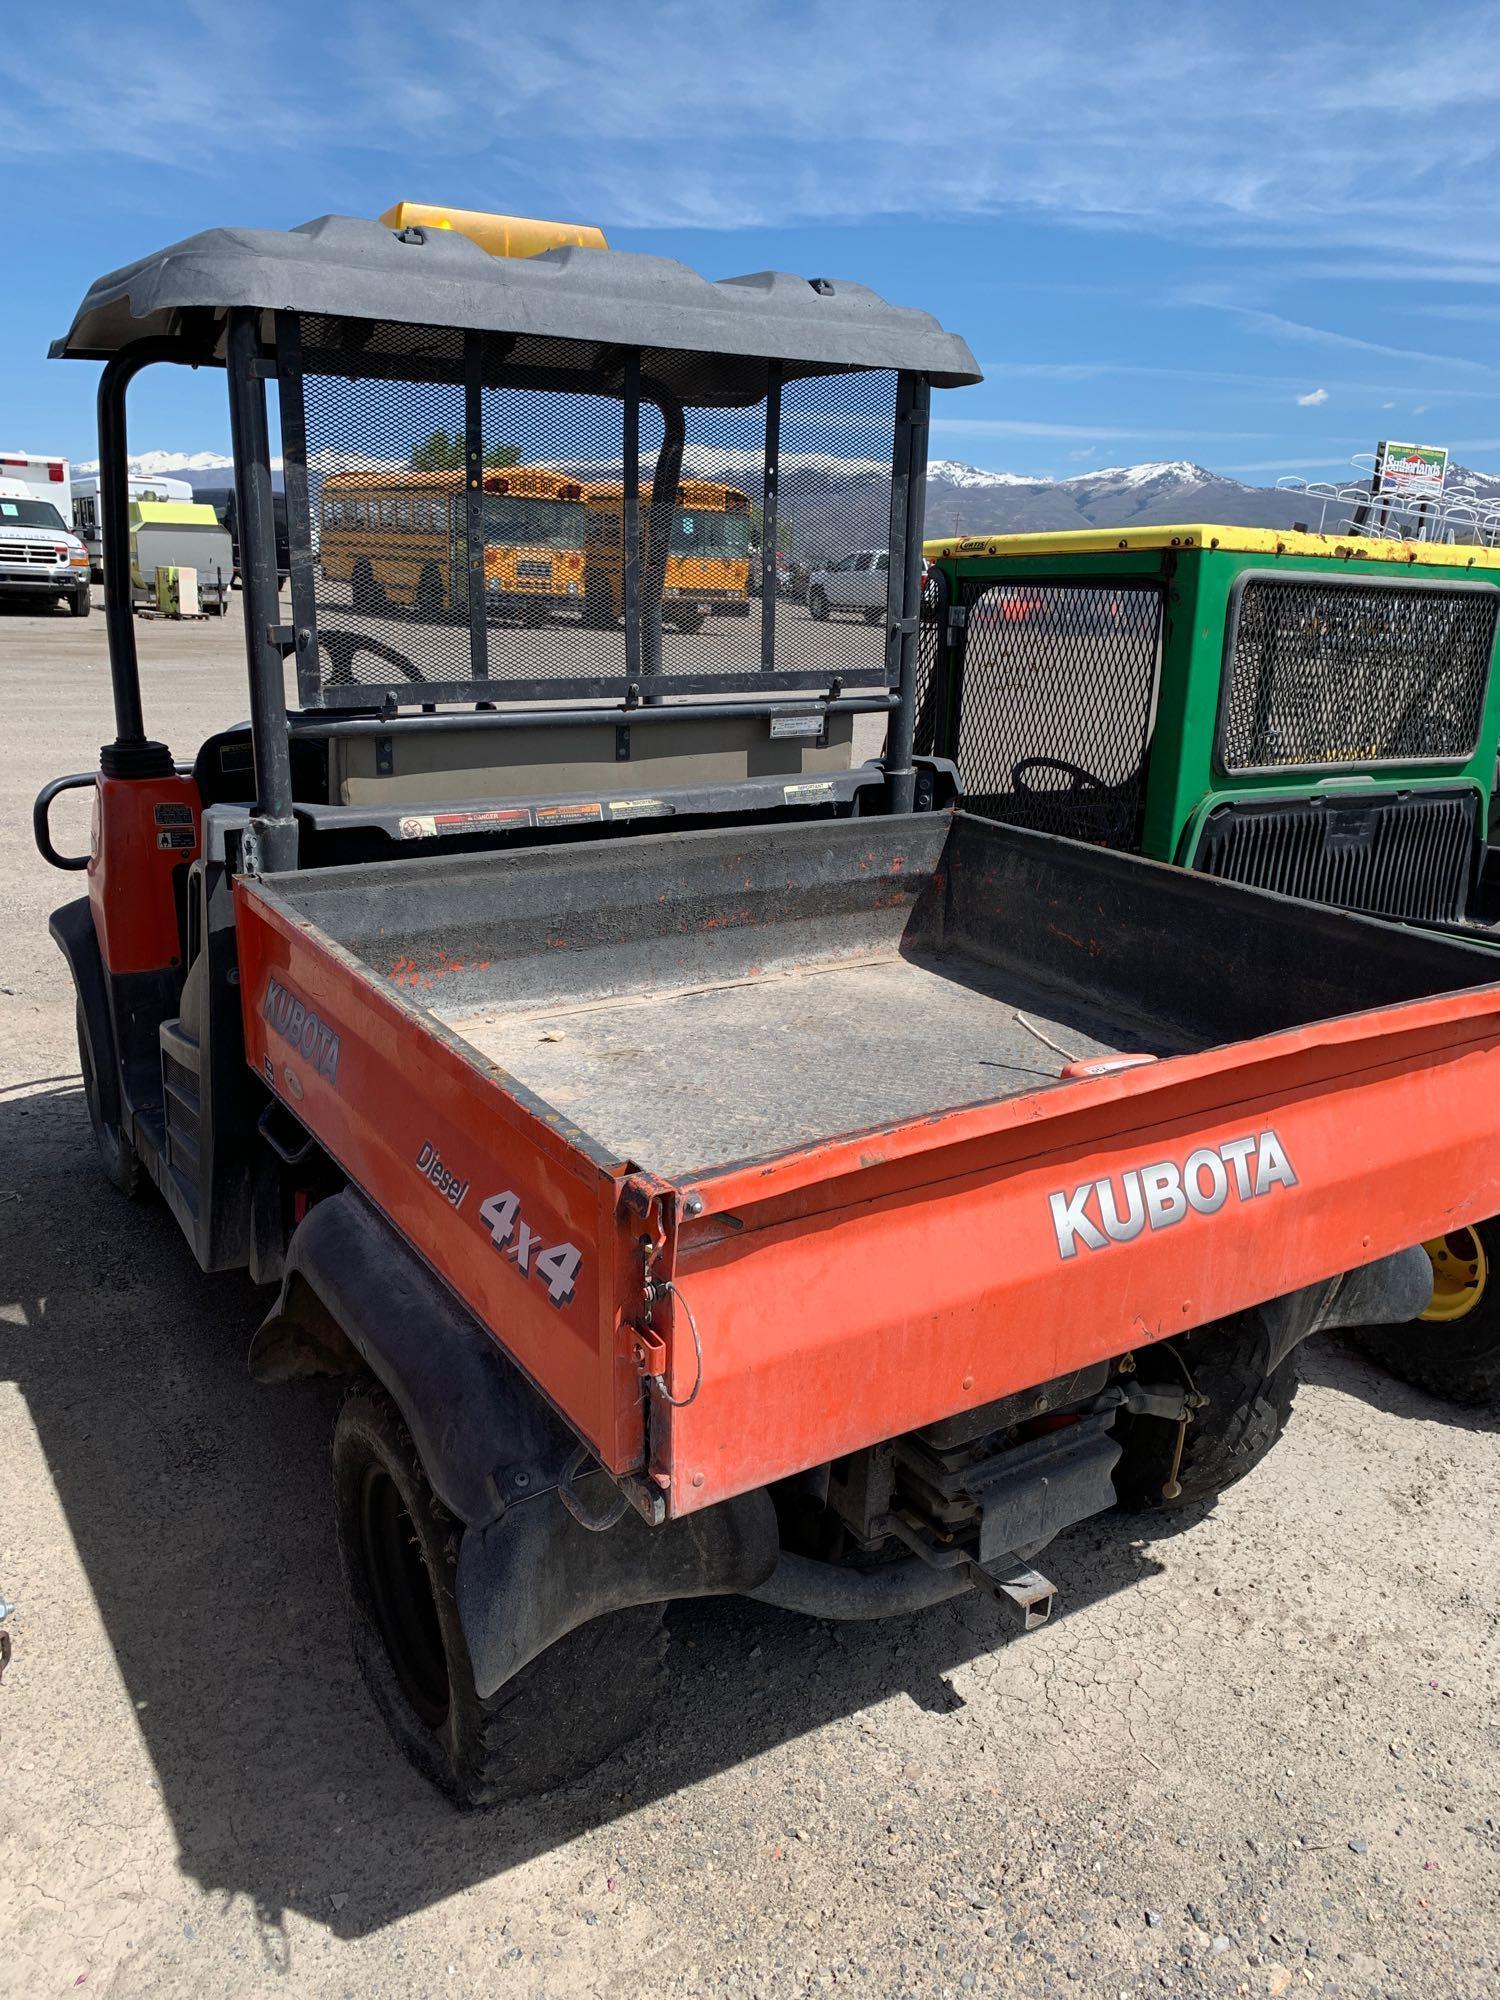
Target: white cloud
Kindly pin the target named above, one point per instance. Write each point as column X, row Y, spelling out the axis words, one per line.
column 1313, row 399
column 699, row 114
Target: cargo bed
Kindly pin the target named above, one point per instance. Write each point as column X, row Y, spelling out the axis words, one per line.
column 818, row 1069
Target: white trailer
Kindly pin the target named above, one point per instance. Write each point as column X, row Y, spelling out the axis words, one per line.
column 143, row 486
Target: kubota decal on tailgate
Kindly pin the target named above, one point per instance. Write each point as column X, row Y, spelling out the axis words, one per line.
column 299, row 1026
column 1159, row 1195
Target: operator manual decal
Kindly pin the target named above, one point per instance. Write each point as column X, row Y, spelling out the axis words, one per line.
column 1156, row 1196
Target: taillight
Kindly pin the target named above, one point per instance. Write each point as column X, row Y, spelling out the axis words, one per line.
column 55, row 474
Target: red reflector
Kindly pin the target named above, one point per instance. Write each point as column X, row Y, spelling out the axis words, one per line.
column 55, row 473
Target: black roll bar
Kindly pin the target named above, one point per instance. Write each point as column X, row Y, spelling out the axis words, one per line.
column 271, row 838
column 131, row 754
column 904, row 581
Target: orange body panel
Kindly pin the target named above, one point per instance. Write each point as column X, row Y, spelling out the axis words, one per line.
column 384, row 1088
column 144, row 829
column 850, row 1291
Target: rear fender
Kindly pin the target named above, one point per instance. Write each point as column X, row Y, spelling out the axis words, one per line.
column 72, row 929
column 1388, row 1292
column 355, row 1293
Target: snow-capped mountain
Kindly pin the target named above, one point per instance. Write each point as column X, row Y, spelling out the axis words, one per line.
column 840, row 505
column 953, row 474
column 156, row 464
column 1110, row 496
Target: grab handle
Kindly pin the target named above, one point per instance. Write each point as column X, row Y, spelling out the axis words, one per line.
column 40, row 829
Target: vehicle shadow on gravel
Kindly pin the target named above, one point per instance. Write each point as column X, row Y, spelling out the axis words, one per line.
column 1338, row 1364
column 199, row 1505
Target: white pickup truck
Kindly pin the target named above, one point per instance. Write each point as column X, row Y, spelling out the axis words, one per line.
column 40, row 556
column 855, row 583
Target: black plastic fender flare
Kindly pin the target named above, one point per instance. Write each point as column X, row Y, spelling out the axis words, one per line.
column 498, row 1455
column 72, row 931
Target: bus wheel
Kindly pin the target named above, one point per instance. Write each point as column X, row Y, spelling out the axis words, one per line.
column 365, row 595
column 598, row 609
column 428, row 601
column 688, row 621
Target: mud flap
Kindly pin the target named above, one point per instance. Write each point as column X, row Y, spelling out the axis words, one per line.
column 536, row 1573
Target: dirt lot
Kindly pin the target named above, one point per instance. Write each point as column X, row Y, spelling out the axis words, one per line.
column 1255, row 1756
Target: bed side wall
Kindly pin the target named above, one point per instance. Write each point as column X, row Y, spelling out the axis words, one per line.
column 1212, row 961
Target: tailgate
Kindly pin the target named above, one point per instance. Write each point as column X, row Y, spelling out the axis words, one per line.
column 852, row 1291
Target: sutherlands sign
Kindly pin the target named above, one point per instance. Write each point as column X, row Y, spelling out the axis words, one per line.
column 1157, row 1196
column 1410, row 471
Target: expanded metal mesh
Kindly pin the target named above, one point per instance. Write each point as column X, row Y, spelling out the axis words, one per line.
column 1409, row 857
column 428, row 587
column 1329, row 671
column 924, row 731
column 1055, row 705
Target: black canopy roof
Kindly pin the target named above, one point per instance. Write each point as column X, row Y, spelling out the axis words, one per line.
column 696, row 331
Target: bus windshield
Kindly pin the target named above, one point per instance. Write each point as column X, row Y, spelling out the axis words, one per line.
column 695, row 533
column 548, row 524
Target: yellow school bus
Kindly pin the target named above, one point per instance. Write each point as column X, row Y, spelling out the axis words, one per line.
column 398, row 540
column 708, row 555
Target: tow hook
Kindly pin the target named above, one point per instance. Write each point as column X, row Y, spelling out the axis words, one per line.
column 1020, row 1588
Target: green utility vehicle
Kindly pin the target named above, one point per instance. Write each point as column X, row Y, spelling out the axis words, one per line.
column 1311, row 714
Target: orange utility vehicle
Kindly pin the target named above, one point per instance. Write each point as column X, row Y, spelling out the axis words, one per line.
column 719, row 1166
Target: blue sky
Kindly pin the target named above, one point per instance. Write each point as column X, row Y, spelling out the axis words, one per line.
column 1259, row 238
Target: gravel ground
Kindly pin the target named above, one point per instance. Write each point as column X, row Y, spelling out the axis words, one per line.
column 1257, row 1755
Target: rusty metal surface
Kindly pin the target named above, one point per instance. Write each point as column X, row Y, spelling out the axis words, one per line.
column 687, row 1080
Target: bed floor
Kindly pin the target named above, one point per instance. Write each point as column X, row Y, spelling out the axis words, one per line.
column 681, row 1082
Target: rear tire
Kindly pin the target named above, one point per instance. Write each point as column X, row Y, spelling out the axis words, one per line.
column 1246, row 1412
column 688, row 622
column 427, row 604
column 557, row 1718
column 117, row 1156
column 1455, row 1353
column 817, row 604
column 873, row 614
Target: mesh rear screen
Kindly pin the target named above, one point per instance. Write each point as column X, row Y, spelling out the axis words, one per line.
column 422, row 587
column 1333, row 671
column 1055, row 705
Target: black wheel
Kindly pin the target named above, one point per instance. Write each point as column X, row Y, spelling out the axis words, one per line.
column 1453, row 1350
column 874, row 613
column 1246, row 1412
column 817, row 603
column 557, row 1718
column 81, row 603
column 116, row 1154
column 688, row 621
column 365, row 594
column 427, row 604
